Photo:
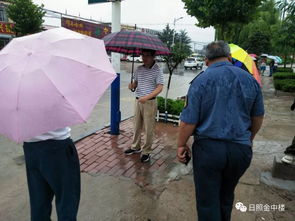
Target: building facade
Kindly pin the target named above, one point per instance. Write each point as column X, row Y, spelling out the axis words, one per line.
column 5, row 25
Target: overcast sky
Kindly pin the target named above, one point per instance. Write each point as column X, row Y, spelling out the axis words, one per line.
column 153, row 14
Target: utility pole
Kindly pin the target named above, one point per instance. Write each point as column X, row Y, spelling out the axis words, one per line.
column 174, row 21
column 115, row 87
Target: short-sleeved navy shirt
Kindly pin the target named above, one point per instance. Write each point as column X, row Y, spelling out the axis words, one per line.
column 221, row 101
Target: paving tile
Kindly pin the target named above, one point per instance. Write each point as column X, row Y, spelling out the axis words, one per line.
column 157, row 150
column 128, row 165
column 102, row 159
column 104, row 153
column 130, row 171
column 160, row 161
column 100, row 166
column 104, row 169
column 119, row 172
column 79, row 146
column 82, row 160
column 88, row 150
column 157, row 156
column 133, row 176
column 85, row 140
column 113, row 162
column 154, row 167
column 90, row 167
column 83, row 166
column 112, row 157
column 113, row 170
column 92, row 159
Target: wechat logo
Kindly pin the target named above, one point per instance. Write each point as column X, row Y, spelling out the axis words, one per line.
column 240, row 206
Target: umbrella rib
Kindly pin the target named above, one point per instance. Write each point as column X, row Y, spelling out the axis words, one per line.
column 17, row 100
column 84, row 120
column 59, row 56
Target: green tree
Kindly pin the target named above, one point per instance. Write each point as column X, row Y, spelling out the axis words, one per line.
column 257, row 36
column 180, row 49
column 26, row 15
column 221, row 14
column 285, row 38
column 258, row 43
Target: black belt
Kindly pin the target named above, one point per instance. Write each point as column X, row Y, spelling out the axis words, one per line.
column 153, row 98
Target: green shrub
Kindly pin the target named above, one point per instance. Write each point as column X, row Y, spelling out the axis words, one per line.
column 284, row 75
column 161, row 104
column 173, row 106
column 284, row 70
column 287, row 85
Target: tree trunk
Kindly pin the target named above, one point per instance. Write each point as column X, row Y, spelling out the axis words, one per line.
column 292, row 59
column 168, row 87
column 222, row 32
column 216, row 34
column 237, row 34
column 285, row 55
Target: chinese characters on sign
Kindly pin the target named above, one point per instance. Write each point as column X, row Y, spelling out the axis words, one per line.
column 86, row 28
column 6, row 28
column 266, row 207
column 260, row 207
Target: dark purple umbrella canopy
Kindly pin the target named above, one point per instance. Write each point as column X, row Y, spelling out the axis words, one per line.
column 132, row 42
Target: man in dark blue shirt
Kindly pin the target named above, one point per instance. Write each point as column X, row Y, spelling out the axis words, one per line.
column 224, row 111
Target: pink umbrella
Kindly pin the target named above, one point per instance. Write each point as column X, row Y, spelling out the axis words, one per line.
column 253, row 55
column 50, row 80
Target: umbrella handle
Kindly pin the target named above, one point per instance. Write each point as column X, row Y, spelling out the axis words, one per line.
column 132, row 74
column 132, row 89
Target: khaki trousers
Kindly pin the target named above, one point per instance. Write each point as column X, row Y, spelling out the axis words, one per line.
column 144, row 119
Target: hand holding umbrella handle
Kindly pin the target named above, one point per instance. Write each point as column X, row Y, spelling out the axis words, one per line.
column 132, row 74
column 131, row 86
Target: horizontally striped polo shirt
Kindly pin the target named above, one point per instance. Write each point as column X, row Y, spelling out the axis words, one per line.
column 147, row 79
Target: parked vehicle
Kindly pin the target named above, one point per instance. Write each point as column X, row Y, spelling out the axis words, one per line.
column 193, row 62
column 159, row 59
column 136, row 58
column 123, row 58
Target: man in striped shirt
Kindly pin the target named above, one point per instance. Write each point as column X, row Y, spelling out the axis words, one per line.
column 148, row 82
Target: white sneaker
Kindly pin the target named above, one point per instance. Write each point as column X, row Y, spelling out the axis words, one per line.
column 289, row 159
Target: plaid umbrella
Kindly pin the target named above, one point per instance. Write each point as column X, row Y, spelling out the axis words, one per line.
column 132, row 42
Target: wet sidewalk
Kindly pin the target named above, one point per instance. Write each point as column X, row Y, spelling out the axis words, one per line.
column 115, row 187
column 163, row 189
column 102, row 153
